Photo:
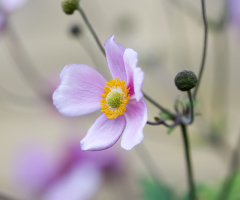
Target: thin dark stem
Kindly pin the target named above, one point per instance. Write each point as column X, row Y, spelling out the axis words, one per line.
column 204, row 47
column 161, row 121
column 84, row 16
column 190, row 118
column 191, row 185
column 159, row 106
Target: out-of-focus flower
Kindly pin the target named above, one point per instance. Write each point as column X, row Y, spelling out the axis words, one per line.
column 7, row 7
column 234, row 11
column 76, row 175
column 84, row 90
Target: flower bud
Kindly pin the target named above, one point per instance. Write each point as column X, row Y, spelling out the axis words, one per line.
column 69, row 6
column 185, row 80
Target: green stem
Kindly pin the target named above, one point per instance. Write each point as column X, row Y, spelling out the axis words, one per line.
column 204, row 47
column 190, row 116
column 84, row 16
column 191, row 107
column 191, row 185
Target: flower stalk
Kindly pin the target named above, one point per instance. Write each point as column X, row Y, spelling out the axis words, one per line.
column 204, row 47
column 84, row 16
column 191, row 185
column 190, row 117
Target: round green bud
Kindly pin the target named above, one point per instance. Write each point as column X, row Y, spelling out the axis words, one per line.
column 185, row 80
column 114, row 99
column 69, row 6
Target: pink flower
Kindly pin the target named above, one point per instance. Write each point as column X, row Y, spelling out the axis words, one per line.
column 74, row 175
column 84, row 90
column 7, row 7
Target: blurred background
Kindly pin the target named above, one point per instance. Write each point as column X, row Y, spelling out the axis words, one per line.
column 39, row 147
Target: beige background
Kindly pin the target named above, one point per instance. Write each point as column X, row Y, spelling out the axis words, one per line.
column 167, row 40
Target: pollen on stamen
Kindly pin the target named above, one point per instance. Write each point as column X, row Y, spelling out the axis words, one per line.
column 114, row 98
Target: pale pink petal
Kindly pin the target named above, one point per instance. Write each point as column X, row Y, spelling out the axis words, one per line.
column 80, row 90
column 11, row 5
column 2, row 21
column 136, row 117
column 32, row 168
column 135, row 75
column 81, row 183
column 114, row 55
column 138, row 78
column 104, row 133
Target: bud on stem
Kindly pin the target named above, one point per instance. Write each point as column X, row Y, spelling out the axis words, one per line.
column 185, row 80
column 69, row 6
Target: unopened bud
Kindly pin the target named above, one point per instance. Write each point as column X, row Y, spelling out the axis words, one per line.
column 185, row 80
column 69, row 6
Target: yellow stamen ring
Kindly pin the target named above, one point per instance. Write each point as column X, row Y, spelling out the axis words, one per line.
column 114, row 98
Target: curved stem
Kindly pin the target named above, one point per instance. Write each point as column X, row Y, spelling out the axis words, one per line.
column 191, row 185
column 187, row 120
column 84, row 16
column 161, row 121
column 204, row 47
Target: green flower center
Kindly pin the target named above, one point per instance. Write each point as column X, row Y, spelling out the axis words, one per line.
column 114, row 99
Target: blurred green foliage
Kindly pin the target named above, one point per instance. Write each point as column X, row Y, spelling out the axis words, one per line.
column 155, row 190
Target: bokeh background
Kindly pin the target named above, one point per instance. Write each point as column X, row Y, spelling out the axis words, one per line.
column 168, row 36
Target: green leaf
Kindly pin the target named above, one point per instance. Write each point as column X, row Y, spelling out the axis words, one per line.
column 154, row 190
column 235, row 188
column 170, row 130
column 204, row 192
column 186, row 102
column 165, row 116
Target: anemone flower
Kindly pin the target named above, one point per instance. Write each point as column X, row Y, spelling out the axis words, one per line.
column 7, row 7
column 75, row 175
column 84, row 90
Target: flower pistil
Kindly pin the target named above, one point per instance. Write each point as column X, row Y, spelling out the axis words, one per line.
column 114, row 98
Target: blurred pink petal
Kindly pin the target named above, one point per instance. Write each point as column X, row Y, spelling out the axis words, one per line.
column 33, row 168
column 80, row 183
column 11, row 5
